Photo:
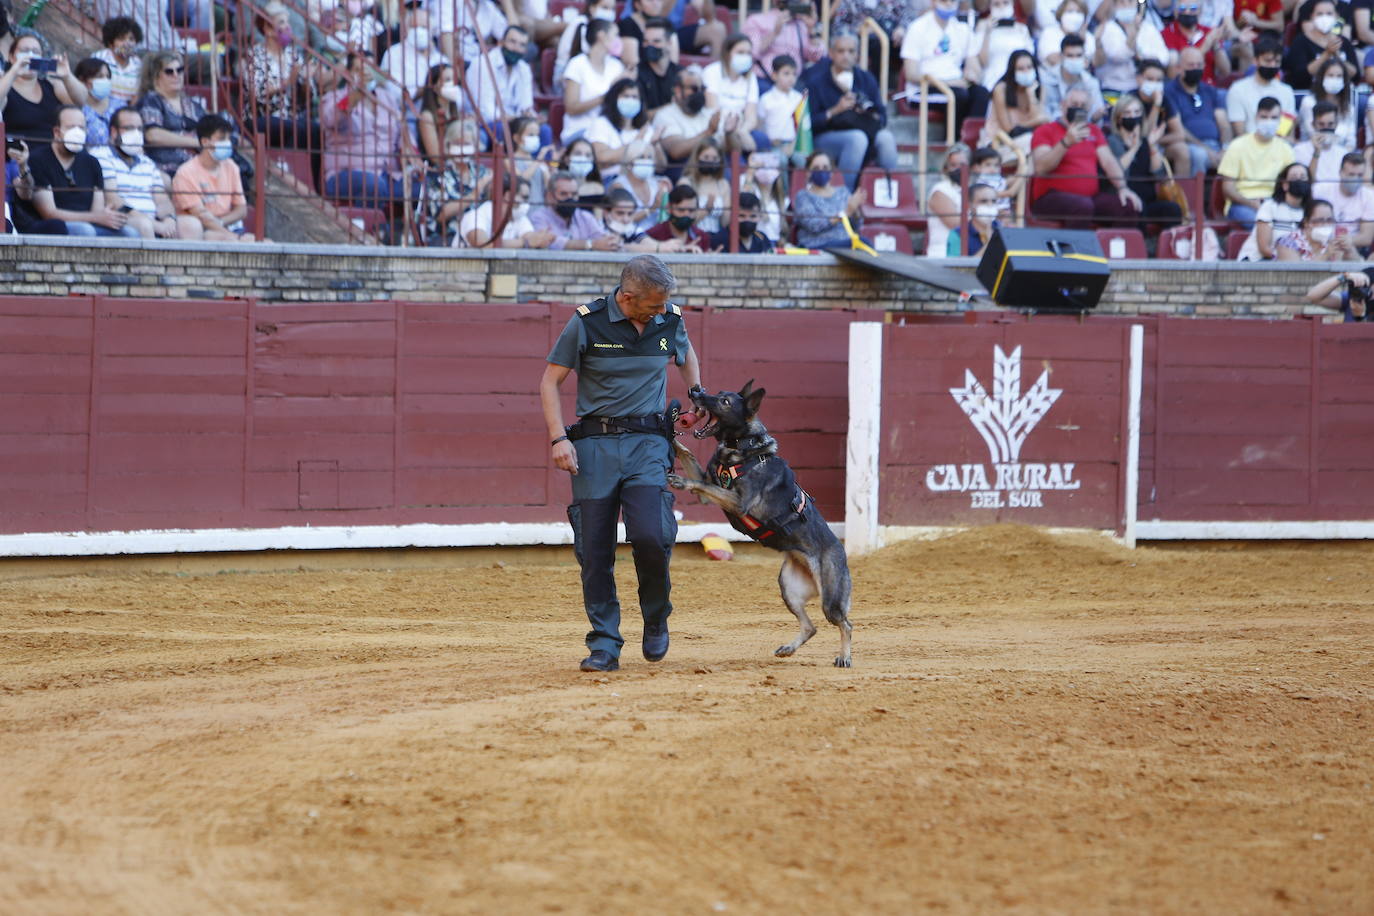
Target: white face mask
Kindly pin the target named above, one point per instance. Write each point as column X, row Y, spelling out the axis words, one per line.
column 845, row 81
column 997, row 181
column 643, row 169
column 1151, row 88
column 1072, row 21
column 1268, row 128
column 1334, row 85
column 1323, row 234
column 100, row 88
column 1324, row 23
column 620, row 228
column 604, row 15
column 1002, row 12
column 1073, row 66
column 580, row 166
column 741, row 62
column 451, row 92
column 520, row 210
column 1125, row 16
column 419, row 36
column 531, row 143
column 985, row 211
column 1025, row 78
column 462, row 149
column 131, row 141
column 74, row 139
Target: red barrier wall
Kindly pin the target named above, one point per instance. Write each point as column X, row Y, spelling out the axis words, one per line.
column 936, row 468
column 120, row 414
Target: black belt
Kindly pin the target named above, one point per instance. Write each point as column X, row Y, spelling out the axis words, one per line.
column 616, row 426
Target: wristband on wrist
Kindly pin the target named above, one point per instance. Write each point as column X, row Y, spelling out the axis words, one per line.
column 558, row 440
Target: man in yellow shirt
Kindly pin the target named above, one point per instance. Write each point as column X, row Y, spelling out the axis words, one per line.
column 1252, row 163
column 208, row 185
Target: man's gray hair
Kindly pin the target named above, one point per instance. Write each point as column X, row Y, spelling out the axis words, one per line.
column 843, row 33
column 645, row 270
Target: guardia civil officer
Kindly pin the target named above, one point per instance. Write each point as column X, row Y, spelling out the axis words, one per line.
column 620, row 452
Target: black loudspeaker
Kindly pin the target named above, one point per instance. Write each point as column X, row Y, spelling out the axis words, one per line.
column 1049, row 270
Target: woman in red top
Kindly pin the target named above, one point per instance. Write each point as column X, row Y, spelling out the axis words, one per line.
column 1066, row 155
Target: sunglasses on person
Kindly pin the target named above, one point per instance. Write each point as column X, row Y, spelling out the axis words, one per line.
column 173, row 71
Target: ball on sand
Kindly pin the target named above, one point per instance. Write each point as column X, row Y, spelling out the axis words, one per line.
column 717, row 547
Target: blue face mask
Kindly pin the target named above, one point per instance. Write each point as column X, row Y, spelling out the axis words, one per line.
column 627, row 106
column 820, row 177
column 946, row 13
column 222, row 150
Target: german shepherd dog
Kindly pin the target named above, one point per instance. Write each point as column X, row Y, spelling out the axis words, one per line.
column 760, row 496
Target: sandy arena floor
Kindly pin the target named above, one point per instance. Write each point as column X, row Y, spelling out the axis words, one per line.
column 1033, row 725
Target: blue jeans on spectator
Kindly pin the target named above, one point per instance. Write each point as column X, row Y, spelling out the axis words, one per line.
column 847, row 149
column 1242, row 215
column 91, row 230
column 377, row 190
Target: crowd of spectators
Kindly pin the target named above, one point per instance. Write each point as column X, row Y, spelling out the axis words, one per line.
column 617, row 120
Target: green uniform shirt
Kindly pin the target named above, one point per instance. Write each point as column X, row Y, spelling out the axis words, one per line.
column 620, row 373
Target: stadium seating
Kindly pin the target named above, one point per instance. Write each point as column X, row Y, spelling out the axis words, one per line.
column 1234, row 242
column 889, row 237
column 904, row 209
column 1130, row 241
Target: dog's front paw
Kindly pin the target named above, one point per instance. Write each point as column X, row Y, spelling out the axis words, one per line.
column 843, row 661
column 676, row 482
column 784, row 651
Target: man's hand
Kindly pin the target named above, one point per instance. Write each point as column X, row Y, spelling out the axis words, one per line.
column 539, row 238
column 1357, row 278
column 1076, row 133
column 165, row 228
column 715, row 122
column 110, row 219
column 846, row 102
column 1129, row 199
column 19, row 156
column 607, row 242
column 565, row 456
column 1333, row 45
column 1157, row 134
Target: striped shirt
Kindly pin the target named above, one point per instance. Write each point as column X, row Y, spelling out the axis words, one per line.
column 134, row 182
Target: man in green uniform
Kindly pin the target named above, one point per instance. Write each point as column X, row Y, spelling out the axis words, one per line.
column 620, row 452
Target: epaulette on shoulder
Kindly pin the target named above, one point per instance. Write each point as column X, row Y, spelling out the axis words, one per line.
column 672, row 307
column 596, row 306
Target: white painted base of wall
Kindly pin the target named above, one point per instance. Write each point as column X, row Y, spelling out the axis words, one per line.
column 1253, row 531
column 213, row 540
column 892, row 534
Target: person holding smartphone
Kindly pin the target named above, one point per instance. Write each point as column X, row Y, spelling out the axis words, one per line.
column 1066, row 156
column 786, row 29
column 34, row 87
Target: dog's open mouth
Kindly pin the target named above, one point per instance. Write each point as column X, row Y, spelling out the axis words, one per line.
column 712, row 424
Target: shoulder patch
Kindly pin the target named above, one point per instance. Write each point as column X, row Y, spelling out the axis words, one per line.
column 583, row 310
column 672, row 307
column 595, row 305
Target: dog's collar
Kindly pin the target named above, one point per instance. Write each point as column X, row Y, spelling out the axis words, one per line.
column 751, row 447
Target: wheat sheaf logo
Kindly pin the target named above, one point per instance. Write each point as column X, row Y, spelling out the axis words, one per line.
column 1004, row 420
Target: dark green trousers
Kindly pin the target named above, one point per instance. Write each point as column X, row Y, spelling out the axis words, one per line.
column 624, row 475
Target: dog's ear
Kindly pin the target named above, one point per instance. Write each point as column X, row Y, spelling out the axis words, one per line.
column 753, row 400
column 748, row 387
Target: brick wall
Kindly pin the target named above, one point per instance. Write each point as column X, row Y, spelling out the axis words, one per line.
column 273, row 272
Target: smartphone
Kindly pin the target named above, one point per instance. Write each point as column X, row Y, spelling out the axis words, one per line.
column 126, row 209
column 799, row 8
column 1006, row 23
column 14, row 143
column 1082, row 117
column 43, row 64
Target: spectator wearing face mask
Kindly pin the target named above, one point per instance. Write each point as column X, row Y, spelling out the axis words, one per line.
column 1069, row 18
column 785, row 30
column 362, row 126
column 1017, row 106
column 622, row 134
column 656, row 72
column 763, row 179
column 21, row 216
column 579, row 160
column 574, row 227
column 502, row 82
column 620, row 220
column 440, row 104
column 1160, row 113
column 465, row 27
column 1125, row 37
column 95, row 76
column 1316, row 238
column 981, row 224
column 732, row 88
column 945, row 200
column 1332, row 87
column 1322, row 152
column 133, row 181
column 1353, row 201
column 121, row 38
column 1067, row 157
column 706, row 173
column 461, row 183
column 1279, row 214
column 475, row 229
column 1205, row 128
column 1316, row 42
column 530, row 159
column 69, row 185
column 409, row 60
column 679, row 232
column 1244, row 95
column 751, row 239
column 939, row 44
column 1072, row 73
column 997, row 36
column 587, row 78
column 280, row 82
column 632, row 29
column 822, row 206
column 1251, row 163
column 647, row 189
column 573, row 41
column 848, row 113
column 1187, row 31
column 778, row 106
column 208, row 186
column 30, row 101
column 686, row 122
